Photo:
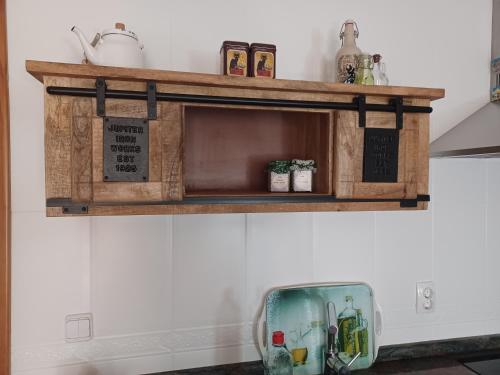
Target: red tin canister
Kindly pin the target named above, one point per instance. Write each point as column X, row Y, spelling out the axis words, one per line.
column 263, row 60
column 234, row 58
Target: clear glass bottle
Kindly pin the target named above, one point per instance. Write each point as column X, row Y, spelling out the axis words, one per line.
column 314, row 340
column 347, row 325
column 379, row 74
column 345, row 60
column 364, row 74
column 279, row 361
column 361, row 334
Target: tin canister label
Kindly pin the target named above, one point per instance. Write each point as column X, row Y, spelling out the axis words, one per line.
column 236, row 62
column 346, row 69
column 263, row 64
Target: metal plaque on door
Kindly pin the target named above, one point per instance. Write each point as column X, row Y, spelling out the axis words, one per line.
column 380, row 157
column 125, row 149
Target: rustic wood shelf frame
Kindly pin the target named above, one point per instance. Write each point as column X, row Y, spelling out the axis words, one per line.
column 214, row 135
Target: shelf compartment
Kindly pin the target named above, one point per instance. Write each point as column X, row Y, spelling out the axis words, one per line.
column 226, row 150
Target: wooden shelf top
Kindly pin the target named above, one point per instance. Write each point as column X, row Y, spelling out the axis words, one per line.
column 40, row 69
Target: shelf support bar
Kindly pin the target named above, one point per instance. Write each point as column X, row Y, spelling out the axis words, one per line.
column 361, row 102
column 100, row 85
column 151, row 90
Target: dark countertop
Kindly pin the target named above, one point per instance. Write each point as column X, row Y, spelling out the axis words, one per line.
column 422, row 366
column 440, row 357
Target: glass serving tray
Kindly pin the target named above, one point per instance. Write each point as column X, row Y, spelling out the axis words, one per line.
column 301, row 313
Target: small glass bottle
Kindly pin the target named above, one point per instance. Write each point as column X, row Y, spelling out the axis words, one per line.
column 345, row 60
column 379, row 75
column 314, row 340
column 361, row 334
column 347, row 325
column 279, row 360
column 364, row 74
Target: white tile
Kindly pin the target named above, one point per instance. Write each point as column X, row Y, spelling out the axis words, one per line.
column 464, row 329
column 122, row 366
column 279, row 253
column 209, row 278
column 49, row 274
column 343, row 246
column 131, row 274
column 211, row 357
column 459, row 180
column 403, row 256
column 492, row 231
column 403, row 335
column 459, row 212
column 408, row 317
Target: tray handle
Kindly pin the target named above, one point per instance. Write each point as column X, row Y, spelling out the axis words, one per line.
column 261, row 334
column 378, row 327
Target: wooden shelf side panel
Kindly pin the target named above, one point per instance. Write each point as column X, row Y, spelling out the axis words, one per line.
column 413, row 160
column 74, row 148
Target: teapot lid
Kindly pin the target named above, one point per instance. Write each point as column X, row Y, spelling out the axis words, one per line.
column 120, row 30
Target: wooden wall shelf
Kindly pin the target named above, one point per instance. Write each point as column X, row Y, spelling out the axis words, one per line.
column 212, row 136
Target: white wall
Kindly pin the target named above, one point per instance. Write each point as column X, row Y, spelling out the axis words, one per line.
column 176, row 292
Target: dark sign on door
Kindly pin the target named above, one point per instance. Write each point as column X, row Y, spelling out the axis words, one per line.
column 380, row 158
column 125, row 149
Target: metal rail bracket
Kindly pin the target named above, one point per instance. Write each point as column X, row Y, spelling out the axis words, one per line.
column 101, row 93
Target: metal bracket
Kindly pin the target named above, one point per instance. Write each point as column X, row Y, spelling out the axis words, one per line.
column 151, row 90
column 100, row 85
column 361, row 102
column 101, row 89
column 75, row 209
column 398, row 105
column 409, row 203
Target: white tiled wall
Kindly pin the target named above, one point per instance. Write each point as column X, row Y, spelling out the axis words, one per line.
column 184, row 291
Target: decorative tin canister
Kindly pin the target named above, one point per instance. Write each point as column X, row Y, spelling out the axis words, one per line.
column 263, row 60
column 234, row 58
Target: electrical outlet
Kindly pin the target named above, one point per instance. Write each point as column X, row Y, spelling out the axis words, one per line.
column 426, row 297
column 79, row 327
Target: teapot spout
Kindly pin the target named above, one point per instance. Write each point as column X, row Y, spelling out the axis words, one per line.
column 90, row 51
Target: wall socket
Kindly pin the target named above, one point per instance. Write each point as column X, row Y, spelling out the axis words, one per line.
column 426, row 297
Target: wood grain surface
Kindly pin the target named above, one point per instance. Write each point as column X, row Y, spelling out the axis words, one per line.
column 39, row 69
column 5, row 208
column 173, row 209
column 222, row 150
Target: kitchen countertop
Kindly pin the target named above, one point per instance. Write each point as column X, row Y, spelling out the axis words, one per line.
column 439, row 357
column 421, row 366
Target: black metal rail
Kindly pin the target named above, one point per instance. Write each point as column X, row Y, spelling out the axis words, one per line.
column 207, row 99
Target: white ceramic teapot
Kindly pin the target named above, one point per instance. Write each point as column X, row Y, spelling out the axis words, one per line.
column 115, row 47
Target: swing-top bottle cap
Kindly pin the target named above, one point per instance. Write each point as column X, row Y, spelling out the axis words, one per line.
column 278, row 338
column 353, row 24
